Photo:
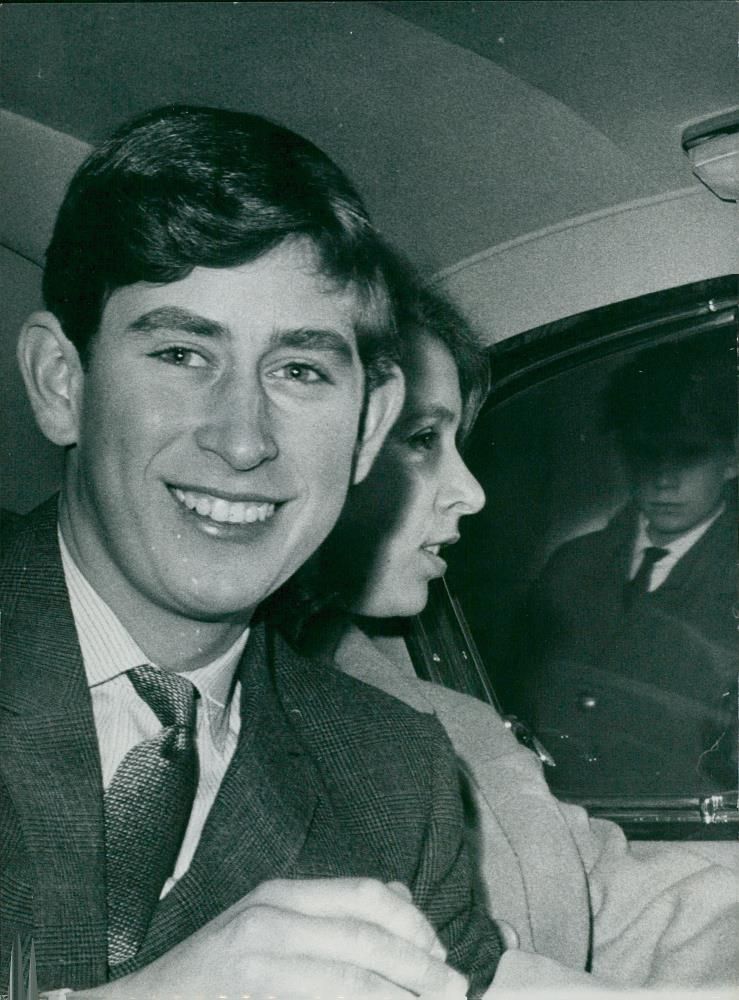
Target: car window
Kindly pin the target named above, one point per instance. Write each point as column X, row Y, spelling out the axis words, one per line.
column 630, row 688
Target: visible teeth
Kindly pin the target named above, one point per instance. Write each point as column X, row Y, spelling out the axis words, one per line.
column 433, row 549
column 236, row 513
column 224, row 511
column 220, row 510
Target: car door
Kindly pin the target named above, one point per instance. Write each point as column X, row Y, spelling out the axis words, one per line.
column 634, row 714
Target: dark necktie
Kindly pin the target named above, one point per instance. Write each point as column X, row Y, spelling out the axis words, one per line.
column 639, row 584
column 147, row 807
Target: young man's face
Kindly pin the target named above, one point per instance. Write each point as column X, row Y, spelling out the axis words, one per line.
column 677, row 495
column 217, row 426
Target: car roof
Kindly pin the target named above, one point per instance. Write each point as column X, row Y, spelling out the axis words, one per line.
column 465, row 125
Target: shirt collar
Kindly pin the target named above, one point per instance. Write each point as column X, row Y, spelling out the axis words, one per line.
column 109, row 650
column 217, row 686
column 678, row 546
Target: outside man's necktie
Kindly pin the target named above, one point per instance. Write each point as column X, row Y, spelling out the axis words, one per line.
column 639, row 584
column 147, row 807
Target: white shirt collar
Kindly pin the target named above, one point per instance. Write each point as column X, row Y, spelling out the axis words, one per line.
column 109, row 650
column 678, row 546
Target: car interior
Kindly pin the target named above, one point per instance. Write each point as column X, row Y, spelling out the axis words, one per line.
column 567, row 172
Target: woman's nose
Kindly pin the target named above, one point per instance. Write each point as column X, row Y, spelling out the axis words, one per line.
column 462, row 489
column 238, row 427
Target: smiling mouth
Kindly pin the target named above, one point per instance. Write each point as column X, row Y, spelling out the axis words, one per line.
column 436, row 547
column 222, row 511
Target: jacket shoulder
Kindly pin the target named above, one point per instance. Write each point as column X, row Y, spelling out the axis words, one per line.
column 356, row 728
column 594, row 547
column 28, row 548
column 323, row 685
column 24, row 529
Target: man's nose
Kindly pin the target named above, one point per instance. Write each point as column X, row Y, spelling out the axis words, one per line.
column 238, row 425
column 462, row 491
column 666, row 477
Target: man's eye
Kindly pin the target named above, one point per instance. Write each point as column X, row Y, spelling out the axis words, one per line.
column 301, row 373
column 183, row 357
column 424, row 440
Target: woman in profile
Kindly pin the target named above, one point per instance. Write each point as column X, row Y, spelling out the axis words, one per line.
column 575, row 904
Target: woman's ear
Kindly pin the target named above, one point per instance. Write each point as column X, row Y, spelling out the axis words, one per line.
column 51, row 369
column 384, row 403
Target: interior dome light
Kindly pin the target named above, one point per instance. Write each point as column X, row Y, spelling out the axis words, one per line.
column 713, row 148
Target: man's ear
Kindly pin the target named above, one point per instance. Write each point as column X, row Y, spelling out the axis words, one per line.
column 384, row 404
column 51, row 369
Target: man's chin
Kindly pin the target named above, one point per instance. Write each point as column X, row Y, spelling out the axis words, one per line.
column 215, row 601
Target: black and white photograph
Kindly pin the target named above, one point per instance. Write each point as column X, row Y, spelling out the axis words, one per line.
column 368, row 500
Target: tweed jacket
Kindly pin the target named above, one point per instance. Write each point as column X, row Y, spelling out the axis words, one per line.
column 329, row 778
column 582, row 907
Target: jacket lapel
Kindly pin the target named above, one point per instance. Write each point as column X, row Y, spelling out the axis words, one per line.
column 49, row 757
column 709, row 552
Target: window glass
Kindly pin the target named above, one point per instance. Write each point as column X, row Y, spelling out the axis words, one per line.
column 623, row 664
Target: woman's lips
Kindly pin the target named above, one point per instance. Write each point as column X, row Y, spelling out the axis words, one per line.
column 435, row 559
column 431, row 551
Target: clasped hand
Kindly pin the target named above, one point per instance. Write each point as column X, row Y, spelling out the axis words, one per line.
column 298, row 939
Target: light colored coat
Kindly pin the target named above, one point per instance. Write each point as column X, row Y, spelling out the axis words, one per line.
column 579, row 905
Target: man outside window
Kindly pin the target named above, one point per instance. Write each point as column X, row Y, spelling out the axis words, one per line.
column 631, row 630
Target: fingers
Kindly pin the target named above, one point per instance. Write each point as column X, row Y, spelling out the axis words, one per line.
column 360, row 899
column 305, row 938
column 401, row 890
column 343, row 953
column 307, row 978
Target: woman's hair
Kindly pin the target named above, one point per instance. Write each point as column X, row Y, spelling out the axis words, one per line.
column 307, row 603
column 185, row 186
column 423, row 309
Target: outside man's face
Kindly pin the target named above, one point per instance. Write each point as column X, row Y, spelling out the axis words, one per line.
column 218, row 421
column 676, row 496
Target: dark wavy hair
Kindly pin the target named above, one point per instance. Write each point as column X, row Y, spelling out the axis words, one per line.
column 185, row 186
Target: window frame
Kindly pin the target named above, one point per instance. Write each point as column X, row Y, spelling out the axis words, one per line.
column 439, row 640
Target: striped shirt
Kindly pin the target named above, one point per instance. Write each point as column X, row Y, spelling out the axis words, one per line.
column 123, row 719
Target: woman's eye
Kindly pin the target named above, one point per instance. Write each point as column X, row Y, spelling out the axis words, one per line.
column 301, row 373
column 423, row 440
column 183, row 357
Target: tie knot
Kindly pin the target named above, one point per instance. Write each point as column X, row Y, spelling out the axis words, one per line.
column 653, row 554
column 170, row 696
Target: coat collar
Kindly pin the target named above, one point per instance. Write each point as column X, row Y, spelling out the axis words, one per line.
column 42, row 673
column 48, row 748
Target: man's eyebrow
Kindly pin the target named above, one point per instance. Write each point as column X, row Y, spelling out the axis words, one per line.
column 310, row 339
column 175, row 318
